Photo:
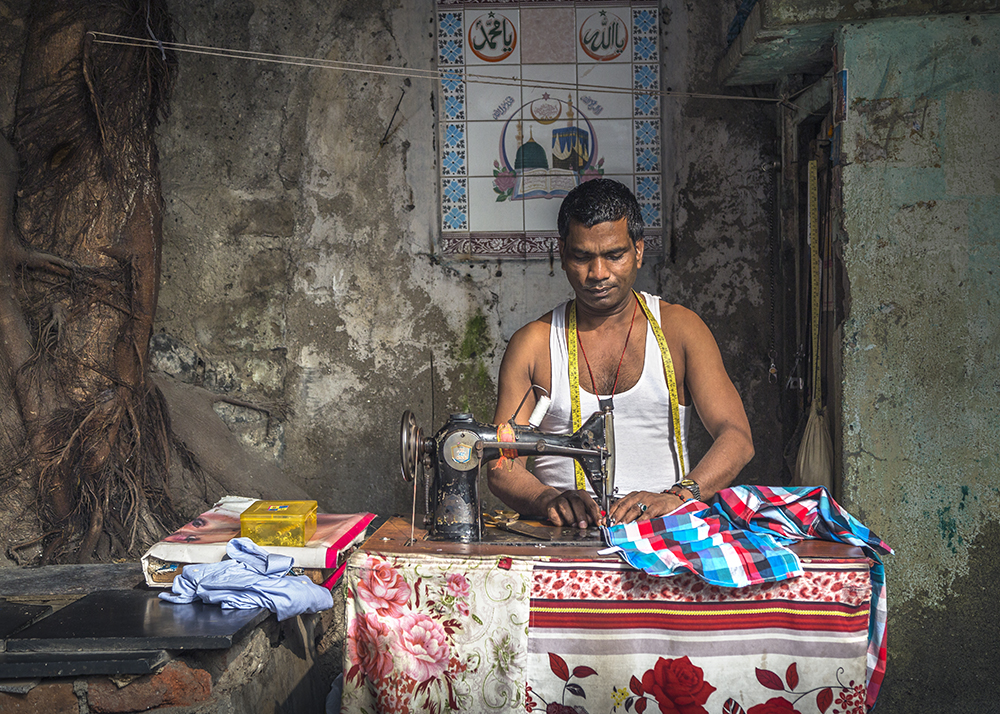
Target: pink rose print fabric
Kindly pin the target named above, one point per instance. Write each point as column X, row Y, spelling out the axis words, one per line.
column 428, row 634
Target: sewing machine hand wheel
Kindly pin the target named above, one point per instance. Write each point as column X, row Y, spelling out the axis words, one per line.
column 411, row 439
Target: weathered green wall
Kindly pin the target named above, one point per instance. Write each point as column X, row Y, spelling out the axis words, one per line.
column 921, row 364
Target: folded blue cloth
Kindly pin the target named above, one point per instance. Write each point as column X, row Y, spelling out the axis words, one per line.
column 251, row 578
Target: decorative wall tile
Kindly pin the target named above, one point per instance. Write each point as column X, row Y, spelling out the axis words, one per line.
column 452, row 162
column 646, row 77
column 647, row 191
column 536, row 97
column 455, row 204
column 644, row 49
column 492, row 35
column 646, row 105
column 647, row 146
column 548, row 35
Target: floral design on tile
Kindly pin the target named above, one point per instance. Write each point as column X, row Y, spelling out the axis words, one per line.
column 455, row 204
column 646, row 76
column 647, row 147
column 647, row 191
column 454, row 136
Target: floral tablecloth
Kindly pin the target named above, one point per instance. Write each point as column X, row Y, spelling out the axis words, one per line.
column 436, row 634
column 500, row 634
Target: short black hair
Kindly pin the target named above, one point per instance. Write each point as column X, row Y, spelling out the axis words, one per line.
column 601, row 200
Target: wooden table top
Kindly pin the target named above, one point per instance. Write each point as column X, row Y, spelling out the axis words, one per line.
column 394, row 537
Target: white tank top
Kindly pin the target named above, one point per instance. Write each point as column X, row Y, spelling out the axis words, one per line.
column 645, row 453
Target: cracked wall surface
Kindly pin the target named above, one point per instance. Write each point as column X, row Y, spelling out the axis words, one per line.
column 921, row 367
column 300, row 261
column 300, row 269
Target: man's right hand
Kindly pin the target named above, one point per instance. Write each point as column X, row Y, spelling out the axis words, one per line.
column 573, row 508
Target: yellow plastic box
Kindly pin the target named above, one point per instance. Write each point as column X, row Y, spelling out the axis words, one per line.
column 288, row 523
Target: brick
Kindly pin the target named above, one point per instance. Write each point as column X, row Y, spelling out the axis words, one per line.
column 46, row 698
column 177, row 684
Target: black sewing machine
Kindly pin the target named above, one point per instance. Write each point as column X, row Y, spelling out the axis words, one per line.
column 457, row 452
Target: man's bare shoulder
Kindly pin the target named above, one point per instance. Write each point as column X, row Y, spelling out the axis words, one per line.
column 678, row 314
column 532, row 334
column 683, row 324
column 527, row 355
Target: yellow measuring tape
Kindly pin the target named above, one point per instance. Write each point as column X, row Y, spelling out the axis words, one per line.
column 668, row 367
column 814, row 270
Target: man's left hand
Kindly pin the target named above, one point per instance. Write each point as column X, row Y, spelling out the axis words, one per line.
column 641, row 506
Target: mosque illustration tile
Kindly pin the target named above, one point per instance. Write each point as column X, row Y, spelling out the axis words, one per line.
column 541, row 216
column 489, row 101
column 484, row 133
column 612, row 141
column 536, row 97
column 595, row 83
column 548, row 35
column 492, row 35
column 556, row 80
column 488, row 214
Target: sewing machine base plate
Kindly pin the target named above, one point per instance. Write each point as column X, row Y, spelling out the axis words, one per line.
column 556, row 535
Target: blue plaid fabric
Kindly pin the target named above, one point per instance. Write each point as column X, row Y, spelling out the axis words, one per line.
column 696, row 539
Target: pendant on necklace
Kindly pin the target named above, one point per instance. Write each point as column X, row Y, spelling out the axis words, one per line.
column 606, row 403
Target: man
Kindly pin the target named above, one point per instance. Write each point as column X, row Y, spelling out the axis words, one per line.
column 601, row 248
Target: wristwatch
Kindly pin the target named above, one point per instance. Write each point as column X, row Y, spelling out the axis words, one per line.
column 691, row 486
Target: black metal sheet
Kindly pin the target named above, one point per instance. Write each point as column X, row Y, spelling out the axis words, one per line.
column 15, row 615
column 68, row 581
column 15, row 665
column 135, row 620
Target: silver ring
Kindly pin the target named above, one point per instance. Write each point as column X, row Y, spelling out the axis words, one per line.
column 642, row 507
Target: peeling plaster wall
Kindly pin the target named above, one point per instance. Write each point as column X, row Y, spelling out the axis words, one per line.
column 717, row 244
column 298, row 265
column 921, row 366
column 297, row 260
column 300, row 269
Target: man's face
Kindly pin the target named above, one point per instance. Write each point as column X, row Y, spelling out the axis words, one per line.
column 601, row 263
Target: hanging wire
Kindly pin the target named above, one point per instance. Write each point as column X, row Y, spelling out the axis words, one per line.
column 451, row 74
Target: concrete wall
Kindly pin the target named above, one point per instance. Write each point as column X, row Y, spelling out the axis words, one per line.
column 921, row 368
column 717, row 253
column 299, row 260
column 300, row 268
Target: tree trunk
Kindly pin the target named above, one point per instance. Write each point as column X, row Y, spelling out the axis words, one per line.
column 84, row 427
